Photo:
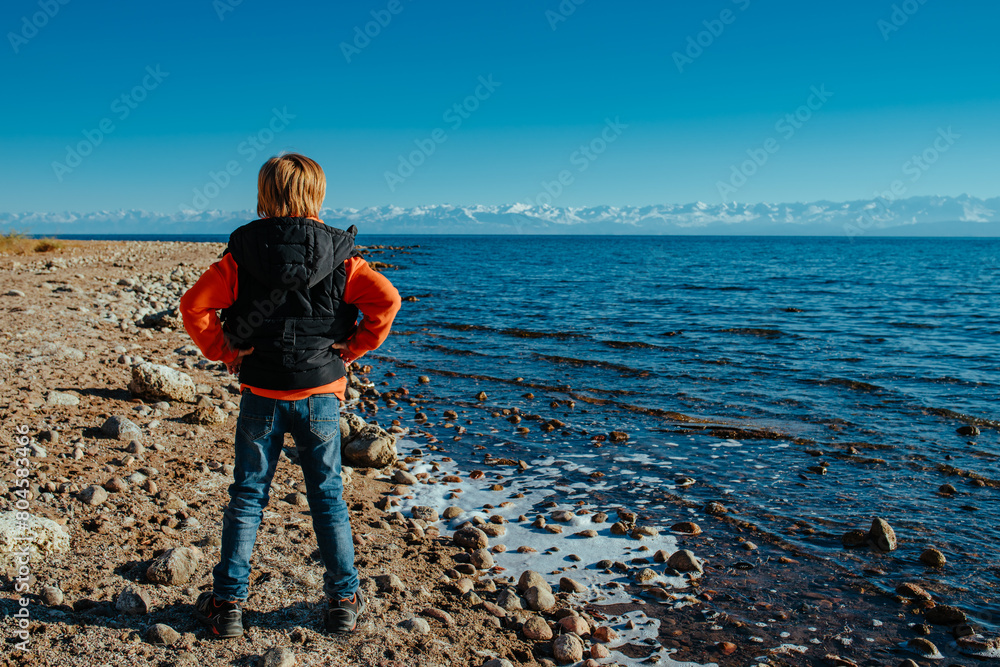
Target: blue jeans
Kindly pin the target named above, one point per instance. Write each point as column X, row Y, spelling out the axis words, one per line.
column 314, row 423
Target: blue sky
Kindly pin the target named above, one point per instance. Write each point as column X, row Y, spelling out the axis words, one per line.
column 595, row 90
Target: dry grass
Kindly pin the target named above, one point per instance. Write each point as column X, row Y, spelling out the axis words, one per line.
column 49, row 245
column 18, row 243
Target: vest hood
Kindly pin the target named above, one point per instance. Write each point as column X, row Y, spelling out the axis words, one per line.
column 291, row 253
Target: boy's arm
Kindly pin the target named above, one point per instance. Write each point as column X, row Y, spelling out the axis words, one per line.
column 216, row 289
column 377, row 300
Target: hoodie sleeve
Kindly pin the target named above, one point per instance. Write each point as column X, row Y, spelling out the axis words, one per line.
column 377, row 300
column 216, row 289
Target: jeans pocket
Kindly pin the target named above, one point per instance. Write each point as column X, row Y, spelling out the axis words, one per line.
column 256, row 416
column 324, row 416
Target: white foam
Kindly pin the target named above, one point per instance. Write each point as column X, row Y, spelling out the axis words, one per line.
column 535, row 485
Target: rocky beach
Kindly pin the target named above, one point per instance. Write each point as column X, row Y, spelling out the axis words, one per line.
column 126, row 434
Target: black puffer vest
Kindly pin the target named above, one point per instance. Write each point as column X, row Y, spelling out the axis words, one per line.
column 289, row 304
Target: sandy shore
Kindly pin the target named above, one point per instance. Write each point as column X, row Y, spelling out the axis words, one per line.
column 68, row 321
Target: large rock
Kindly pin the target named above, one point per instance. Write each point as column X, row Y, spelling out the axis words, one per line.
column 350, row 426
column 685, row 561
column 531, row 578
column 47, row 537
column 471, row 537
column 540, row 599
column 155, row 381
column 567, row 649
column 882, row 535
column 121, row 428
column 174, row 567
column 133, row 601
column 371, row 447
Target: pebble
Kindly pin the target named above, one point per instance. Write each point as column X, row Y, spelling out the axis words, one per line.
column 453, row 512
column 423, row 379
column 685, row 561
column 133, row 601
column 498, row 662
column 933, row 557
column 404, row 477
column 278, row 657
column 531, row 578
column 93, row 495
column 162, row 635
column 715, row 509
column 605, row 634
column 416, row 625
column 174, row 567
column 471, row 537
column 508, row 600
column 116, row 485
column 52, row 596
column 576, row 625
column 947, row 489
column 969, row 430
column 944, row 614
column 912, row 591
column 687, row 528
column 121, row 428
column 482, row 559
column 424, row 513
column 439, row 614
column 389, row 583
column 924, row 647
column 537, row 629
column 567, row 649
column 539, row 598
column 568, row 585
column 726, row 648
column 599, row 652
column 882, row 535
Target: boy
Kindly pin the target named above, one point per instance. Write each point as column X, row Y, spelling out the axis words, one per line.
column 290, row 289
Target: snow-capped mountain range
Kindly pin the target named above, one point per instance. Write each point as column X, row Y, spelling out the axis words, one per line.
column 915, row 216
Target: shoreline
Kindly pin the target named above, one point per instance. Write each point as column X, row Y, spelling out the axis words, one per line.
column 64, row 345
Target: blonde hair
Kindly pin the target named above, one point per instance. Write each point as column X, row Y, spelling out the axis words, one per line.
column 290, row 185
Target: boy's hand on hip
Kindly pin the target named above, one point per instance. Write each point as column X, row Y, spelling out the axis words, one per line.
column 234, row 366
column 344, row 354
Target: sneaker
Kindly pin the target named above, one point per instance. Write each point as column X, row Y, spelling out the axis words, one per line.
column 342, row 615
column 224, row 619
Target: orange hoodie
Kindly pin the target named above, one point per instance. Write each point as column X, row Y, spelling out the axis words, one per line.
column 218, row 288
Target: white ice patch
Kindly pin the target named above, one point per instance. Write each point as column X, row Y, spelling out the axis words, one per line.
column 552, row 551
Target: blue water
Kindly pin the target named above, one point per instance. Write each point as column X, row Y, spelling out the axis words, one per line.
column 765, row 333
column 824, row 343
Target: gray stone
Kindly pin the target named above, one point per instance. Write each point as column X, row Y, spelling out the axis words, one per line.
column 133, row 601
column 403, row 477
column 162, row 635
column 62, row 398
column 882, row 535
column 482, row 559
column 685, row 561
column 278, row 657
column 161, row 382
column 174, row 567
column 416, row 625
column 531, row 578
column 93, row 495
column 471, row 537
column 540, row 599
column 424, row 513
column 567, row 649
column 372, row 447
column 52, row 596
column 509, row 600
column 121, row 428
